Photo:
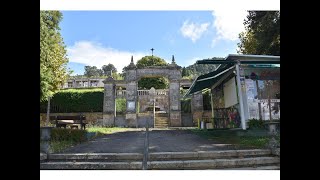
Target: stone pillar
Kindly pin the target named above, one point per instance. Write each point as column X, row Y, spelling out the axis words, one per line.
column 174, row 94
column 131, row 95
column 196, row 107
column 45, row 139
column 109, row 102
column 175, row 103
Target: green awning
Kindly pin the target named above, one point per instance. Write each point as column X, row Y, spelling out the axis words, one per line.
column 209, row 79
column 227, row 64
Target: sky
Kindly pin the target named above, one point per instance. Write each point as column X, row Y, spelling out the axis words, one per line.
column 96, row 38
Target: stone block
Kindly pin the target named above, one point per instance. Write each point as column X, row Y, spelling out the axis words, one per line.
column 166, row 165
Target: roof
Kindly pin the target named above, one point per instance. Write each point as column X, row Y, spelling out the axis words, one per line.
column 244, row 59
column 207, row 80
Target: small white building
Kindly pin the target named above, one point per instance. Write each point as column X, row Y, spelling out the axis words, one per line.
column 83, row 83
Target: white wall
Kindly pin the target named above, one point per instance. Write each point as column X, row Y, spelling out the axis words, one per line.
column 230, row 93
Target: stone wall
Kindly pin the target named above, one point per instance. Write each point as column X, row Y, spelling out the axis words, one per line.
column 186, row 119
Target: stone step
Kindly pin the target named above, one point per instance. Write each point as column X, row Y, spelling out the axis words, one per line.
column 222, row 154
column 161, row 123
column 160, row 156
column 166, row 165
column 162, row 114
column 92, row 165
column 275, row 167
column 87, row 157
column 214, row 164
column 163, row 120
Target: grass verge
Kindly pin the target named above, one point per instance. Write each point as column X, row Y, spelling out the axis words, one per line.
column 231, row 137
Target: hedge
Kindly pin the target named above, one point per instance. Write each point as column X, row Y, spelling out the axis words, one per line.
column 75, row 100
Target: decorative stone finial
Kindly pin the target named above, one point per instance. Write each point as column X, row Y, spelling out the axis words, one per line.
column 131, row 65
column 173, row 61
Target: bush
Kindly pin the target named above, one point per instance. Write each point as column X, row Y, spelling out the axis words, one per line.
column 121, row 105
column 256, row 124
column 74, row 135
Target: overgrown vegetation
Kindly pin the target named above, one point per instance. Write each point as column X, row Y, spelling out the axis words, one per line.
column 64, row 138
column 256, row 124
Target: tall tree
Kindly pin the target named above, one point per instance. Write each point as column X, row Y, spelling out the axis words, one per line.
column 108, row 69
column 185, row 72
column 148, row 82
column 262, row 35
column 53, row 58
column 92, row 71
column 151, row 61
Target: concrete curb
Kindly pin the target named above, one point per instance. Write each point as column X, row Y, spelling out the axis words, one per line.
column 189, row 164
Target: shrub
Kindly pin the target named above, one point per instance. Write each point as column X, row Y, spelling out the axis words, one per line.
column 256, row 124
column 74, row 135
column 121, row 105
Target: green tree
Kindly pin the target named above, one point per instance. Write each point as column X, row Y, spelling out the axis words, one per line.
column 92, row 71
column 53, row 58
column 185, row 72
column 262, row 35
column 148, row 82
column 107, row 69
column 151, row 61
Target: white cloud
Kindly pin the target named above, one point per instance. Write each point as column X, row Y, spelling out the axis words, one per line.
column 95, row 54
column 228, row 23
column 193, row 31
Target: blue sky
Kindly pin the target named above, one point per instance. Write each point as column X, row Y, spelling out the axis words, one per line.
column 96, row 38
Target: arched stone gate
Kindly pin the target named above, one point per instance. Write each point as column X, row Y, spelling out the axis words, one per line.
column 133, row 75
